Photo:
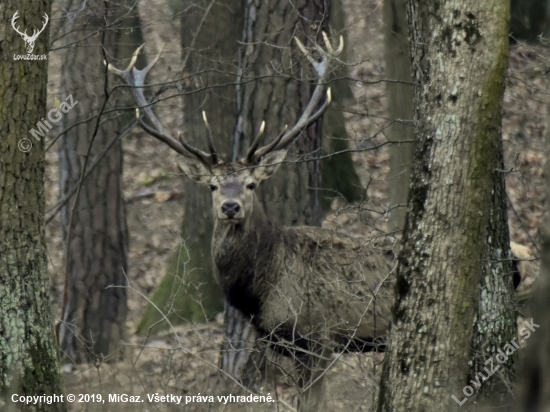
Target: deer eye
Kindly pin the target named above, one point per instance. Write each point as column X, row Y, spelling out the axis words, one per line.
column 213, row 188
column 251, row 186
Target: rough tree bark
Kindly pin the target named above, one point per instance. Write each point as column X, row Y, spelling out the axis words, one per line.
column 271, row 65
column 534, row 374
column 28, row 353
column 455, row 237
column 399, row 92
column 93, row 324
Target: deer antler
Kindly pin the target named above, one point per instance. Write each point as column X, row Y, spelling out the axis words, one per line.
column 309, row 116
column 257, row 140
column 15, row 17
column 136, row 78
column 209, row 139
column 37, row 32
column 25, row 35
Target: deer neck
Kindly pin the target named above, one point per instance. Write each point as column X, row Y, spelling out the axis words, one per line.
column 245, row 239
column 244, row 253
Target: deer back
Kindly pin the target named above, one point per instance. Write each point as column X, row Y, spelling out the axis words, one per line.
column 330, row 284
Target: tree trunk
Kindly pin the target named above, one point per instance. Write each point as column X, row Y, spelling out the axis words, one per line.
column 340, row 180
column 529, row 19
column 93, row 324
column 454, row 227
column 399, row 92
column 495, row 323
column 534, row 375
column 275, row 88
column 29, row 363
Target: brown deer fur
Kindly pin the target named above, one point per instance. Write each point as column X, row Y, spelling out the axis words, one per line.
column 300, row 283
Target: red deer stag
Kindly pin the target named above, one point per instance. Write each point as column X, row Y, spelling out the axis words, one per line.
column 314, row 288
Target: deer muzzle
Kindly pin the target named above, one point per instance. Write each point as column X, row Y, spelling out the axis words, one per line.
column 231, row 209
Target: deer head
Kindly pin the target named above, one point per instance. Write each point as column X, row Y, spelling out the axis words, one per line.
column 29, row 40
column 232, row 184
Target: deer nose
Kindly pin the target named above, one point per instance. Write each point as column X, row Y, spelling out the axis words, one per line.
column 230, row 209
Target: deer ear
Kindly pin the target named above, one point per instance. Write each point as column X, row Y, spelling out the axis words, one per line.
column 269, row 164
column 195, row 170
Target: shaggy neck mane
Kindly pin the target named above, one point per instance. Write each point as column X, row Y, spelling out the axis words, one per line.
column 246, row 255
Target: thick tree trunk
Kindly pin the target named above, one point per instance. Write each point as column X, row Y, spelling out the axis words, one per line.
column 453, row 229
column 399, row 92
column 28, row 353
column 93, row 325
column 534, row 375
column 275, row 88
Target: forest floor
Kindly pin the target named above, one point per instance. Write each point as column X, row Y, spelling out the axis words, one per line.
column 184, row 360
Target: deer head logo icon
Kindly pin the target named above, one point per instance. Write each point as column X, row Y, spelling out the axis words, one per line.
column 29, row 40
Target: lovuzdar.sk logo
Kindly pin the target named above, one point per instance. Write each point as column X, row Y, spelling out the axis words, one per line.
column 29, row 40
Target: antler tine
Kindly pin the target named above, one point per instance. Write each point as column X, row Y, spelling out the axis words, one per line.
column 128, row 70
column 285, row 139
column 269, row 147
column 44, row 25
column 140, row 74
column 306, row 119
column 340, row 48
column 327, row 43
column 304, row 50
column 309, row 115
column 160, row 135
column 209, row 139
column 331, row 51
column 36, row 32
column 136, row 79
column 13, row 19
column 257, row 140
